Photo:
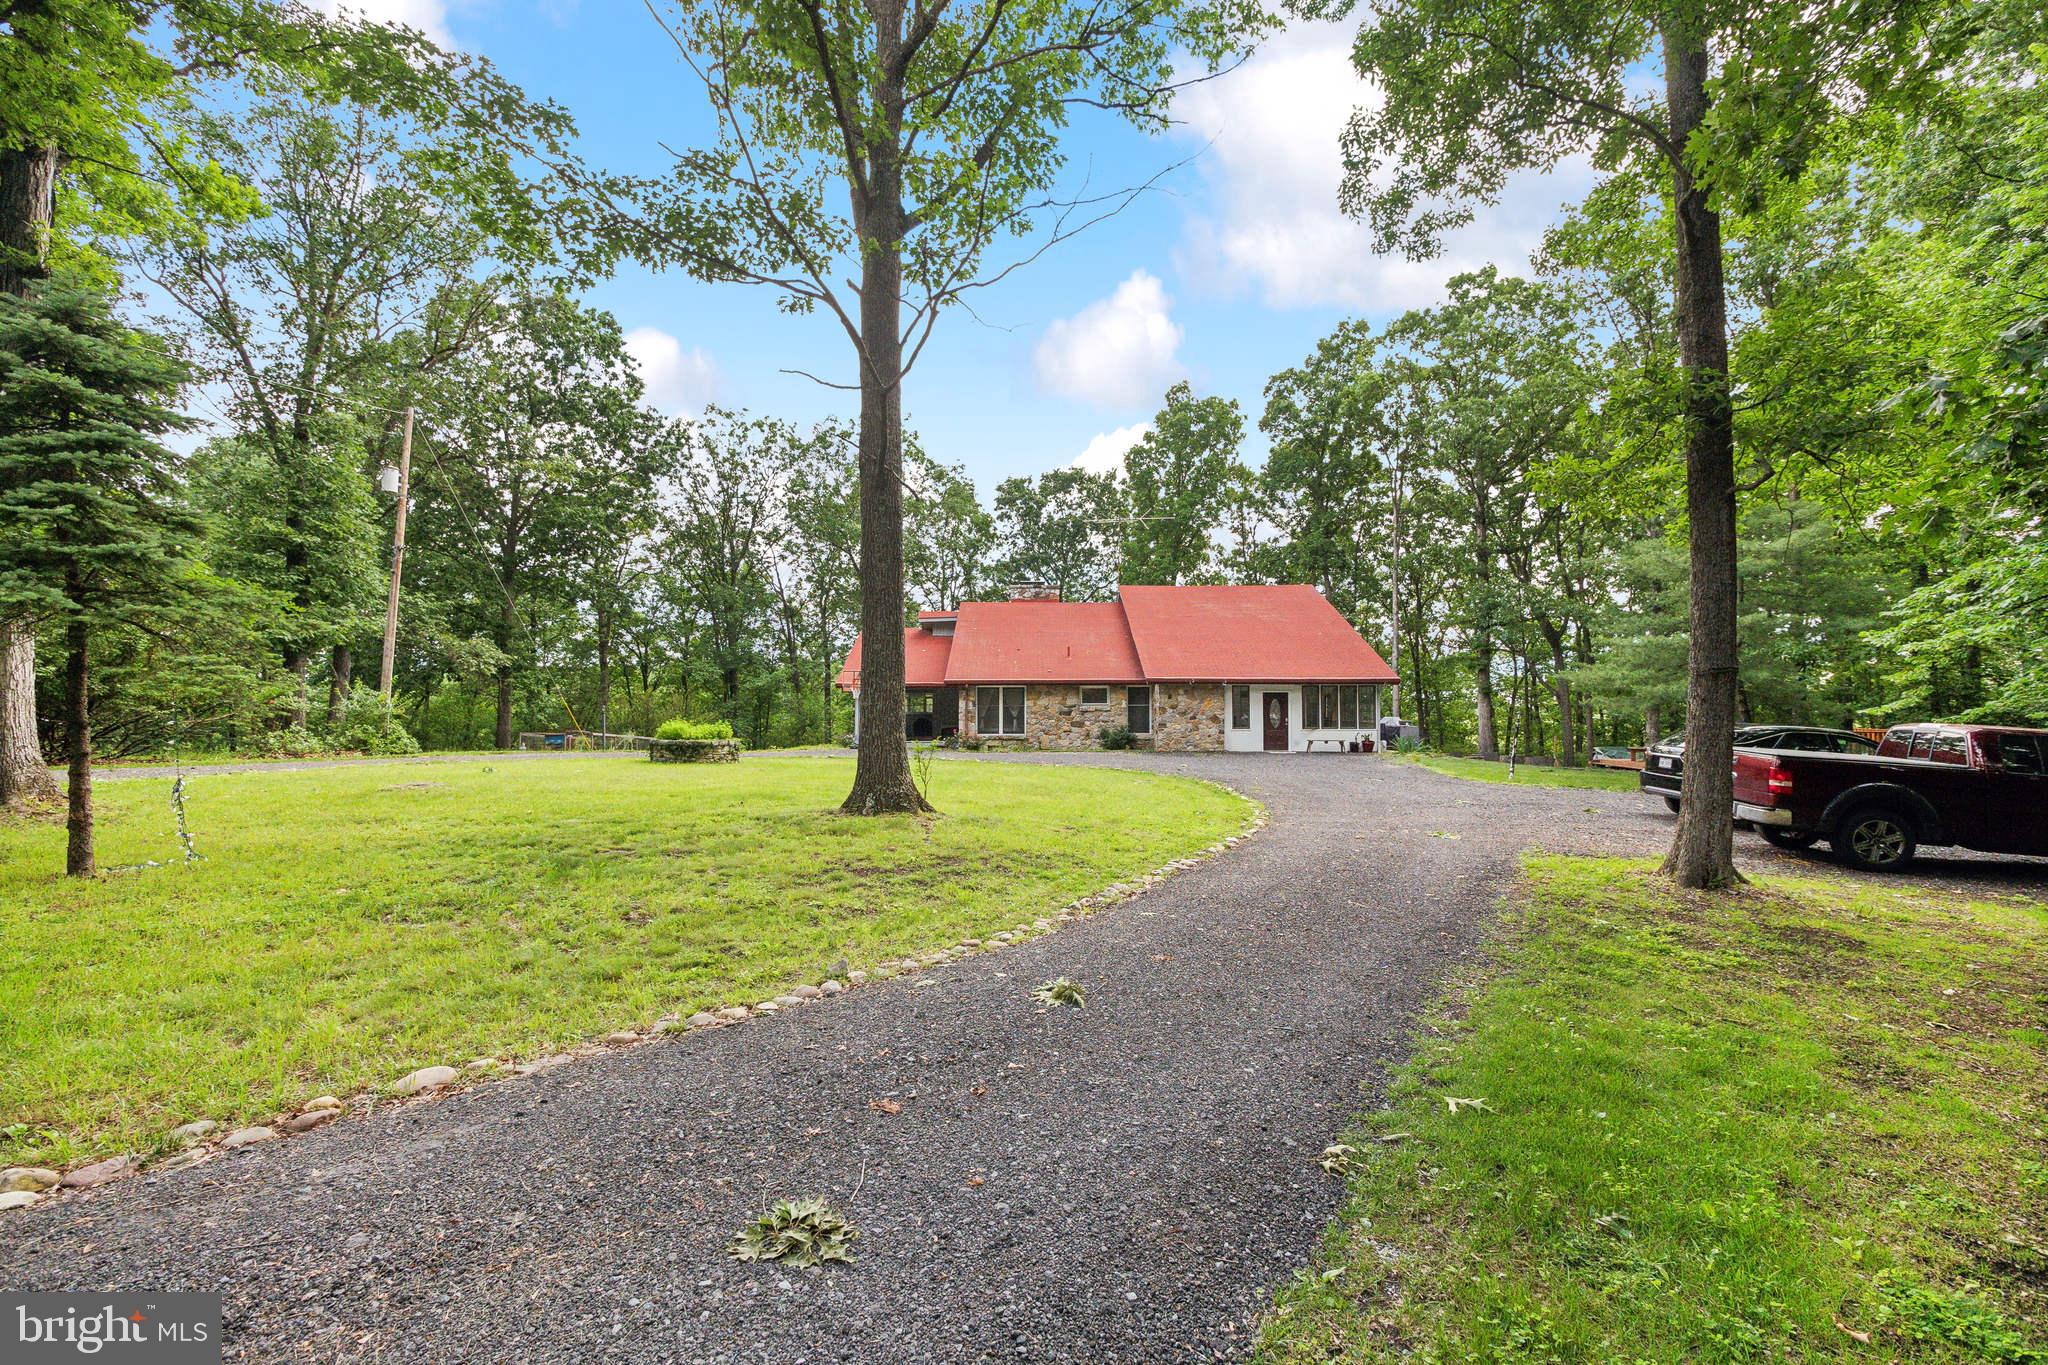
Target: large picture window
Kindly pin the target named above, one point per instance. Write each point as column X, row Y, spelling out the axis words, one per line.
column 1138, row 710
column 999, row 710
column 1336, row 706
column 1241, row 707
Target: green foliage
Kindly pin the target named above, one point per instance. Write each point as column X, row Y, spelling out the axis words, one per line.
column 691, row 729
column 92, row 526
column 799, row 1232
column 370, row 726
column 1175, row 480
column 1117, row 737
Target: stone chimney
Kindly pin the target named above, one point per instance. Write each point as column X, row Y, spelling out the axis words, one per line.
column 1033, row 592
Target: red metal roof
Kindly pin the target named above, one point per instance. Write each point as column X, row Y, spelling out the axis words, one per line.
column 1282, row 632
column 1019, row 642
column 924, row 660
column 1256, row 633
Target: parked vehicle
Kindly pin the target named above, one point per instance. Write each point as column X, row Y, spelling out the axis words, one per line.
column 1975, row 786
column 1664, row 763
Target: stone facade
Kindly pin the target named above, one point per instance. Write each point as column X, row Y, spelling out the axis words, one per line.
column 1054, row 718
column 1187, row 717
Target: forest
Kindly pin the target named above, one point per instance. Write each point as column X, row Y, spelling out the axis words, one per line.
column 255, row 255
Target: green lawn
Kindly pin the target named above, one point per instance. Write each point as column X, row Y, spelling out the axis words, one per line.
column 1800, row 1123
column 348, row 925
column 1481, row 770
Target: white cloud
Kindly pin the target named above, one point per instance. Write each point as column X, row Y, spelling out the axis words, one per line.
column 678, row 381
column 428, row 16
column 1117, row 352
column 1105, row 454
column 1272, row 128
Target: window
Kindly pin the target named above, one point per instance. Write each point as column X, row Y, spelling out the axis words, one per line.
column 1094, row 696
column 918, row 703
column 999, row 710
column 1335, row 706
column 1347, row 702
column 2018, row 754
column 1241, row 707
column 1921, row 739
column 1138, row 710
column 1950, row 748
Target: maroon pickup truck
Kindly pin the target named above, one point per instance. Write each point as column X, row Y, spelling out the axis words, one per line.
column 1976, row 786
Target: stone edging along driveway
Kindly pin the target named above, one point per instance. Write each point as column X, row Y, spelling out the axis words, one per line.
column 1119, row 1182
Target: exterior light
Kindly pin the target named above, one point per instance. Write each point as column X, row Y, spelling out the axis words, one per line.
column 387, row 478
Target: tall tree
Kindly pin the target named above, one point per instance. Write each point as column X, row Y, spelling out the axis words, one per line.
column 92, row 528
column 1057, row 529
column 1478, row 89
column 938, row 125
column 90, row 85
column 513, row 494
column 1175, row 482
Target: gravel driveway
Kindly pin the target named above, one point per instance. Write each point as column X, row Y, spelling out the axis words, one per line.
column 1120, row 1183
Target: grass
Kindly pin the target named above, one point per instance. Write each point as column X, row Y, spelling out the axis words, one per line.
column 348, row 925
column 1799, row 1123
column 1527, row 775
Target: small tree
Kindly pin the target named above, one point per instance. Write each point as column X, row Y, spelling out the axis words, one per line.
column 91, row 527
column 1175, row 481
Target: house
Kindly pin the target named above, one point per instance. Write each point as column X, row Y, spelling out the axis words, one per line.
column 1236, row 668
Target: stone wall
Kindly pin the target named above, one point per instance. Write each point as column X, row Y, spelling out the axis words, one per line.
column 1188, row 717
column 694, row 750
column 1054, row 718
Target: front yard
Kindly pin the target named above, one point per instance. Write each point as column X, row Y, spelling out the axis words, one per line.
column 348, row 925
column 1805, row 1122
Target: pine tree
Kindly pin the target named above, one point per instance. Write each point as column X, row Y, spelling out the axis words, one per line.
column 93, row 529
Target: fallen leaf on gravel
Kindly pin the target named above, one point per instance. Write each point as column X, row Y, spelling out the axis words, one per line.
column 977, row 1090
column 886, row 1105
column 1863, row 1337
column 1336, row 1158
column 973, row 1180
column 1441, row 834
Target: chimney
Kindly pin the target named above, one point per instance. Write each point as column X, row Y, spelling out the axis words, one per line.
column 1033, row 592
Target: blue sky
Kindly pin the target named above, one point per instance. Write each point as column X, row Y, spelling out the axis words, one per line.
column 1230, row 272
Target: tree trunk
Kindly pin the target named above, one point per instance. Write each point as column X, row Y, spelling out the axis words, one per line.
column 1567, row 729
column 604, row 673
column 1489, row 743
column 28, row 186
column 341, row 674
column 78, row 860
column 882, row 782
column 296, row 663
column 24, row 777
column 1703, row 853
column 1651, row 733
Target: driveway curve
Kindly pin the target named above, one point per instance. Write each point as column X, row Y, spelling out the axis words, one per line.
column 1124, row 1182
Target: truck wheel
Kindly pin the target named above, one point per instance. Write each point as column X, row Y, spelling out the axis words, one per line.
column 1672, row 803
column 1875, row 839
column 1779, row 837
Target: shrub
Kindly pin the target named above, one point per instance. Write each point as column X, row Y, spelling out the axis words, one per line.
column 694, row 729
column 1408, row 744
column 1117, row 737
column 293, row 742
column 369, row 726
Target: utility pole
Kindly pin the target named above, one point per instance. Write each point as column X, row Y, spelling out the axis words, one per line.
column 397, row 557
column 1397, row 587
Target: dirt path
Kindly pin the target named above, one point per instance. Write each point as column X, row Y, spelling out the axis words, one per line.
column 1119, row 1183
